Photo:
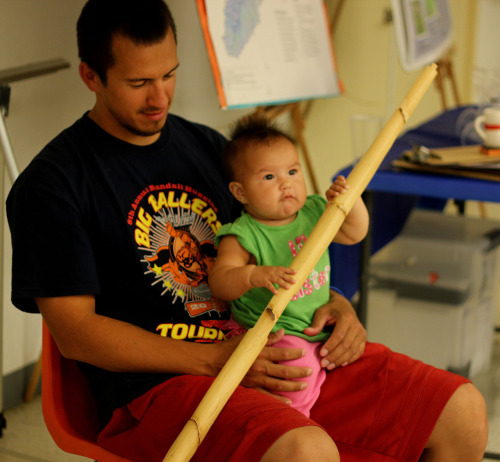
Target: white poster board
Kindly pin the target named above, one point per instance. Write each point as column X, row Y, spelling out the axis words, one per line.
column 268, row 51
column 424, row 31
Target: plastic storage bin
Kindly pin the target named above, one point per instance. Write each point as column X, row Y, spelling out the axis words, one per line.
column 433, row 291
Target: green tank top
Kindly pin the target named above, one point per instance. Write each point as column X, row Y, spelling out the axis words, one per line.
column 278, row 246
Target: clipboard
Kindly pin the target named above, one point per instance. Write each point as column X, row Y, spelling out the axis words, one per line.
column 464, row 161
column 481, row 174
column 464, row 156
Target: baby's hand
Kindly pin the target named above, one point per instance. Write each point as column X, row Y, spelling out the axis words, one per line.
column 267, row 276
column 339, row 186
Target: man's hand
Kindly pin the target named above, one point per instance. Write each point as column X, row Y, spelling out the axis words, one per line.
column 267, row 375
column 348, row 339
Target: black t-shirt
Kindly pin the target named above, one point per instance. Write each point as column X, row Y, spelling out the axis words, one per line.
column 134, row 225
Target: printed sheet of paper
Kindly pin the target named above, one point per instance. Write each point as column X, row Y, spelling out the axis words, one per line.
column 424, row 31
column 266, row 52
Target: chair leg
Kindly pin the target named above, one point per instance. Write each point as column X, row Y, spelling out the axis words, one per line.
column 34, row 380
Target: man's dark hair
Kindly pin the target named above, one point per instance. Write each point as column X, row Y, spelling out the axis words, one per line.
column 145, row 22
column 249, row 132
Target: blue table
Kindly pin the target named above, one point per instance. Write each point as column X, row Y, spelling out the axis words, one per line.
column 392, row 194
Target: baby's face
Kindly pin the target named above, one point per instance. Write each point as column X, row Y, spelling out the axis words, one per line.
column 272, row 182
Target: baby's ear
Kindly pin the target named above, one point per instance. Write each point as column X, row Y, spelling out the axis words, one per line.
column 238, row 191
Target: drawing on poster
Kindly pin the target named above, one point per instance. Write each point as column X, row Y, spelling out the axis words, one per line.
column 241, row 18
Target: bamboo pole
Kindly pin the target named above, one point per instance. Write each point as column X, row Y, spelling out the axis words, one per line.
column 322, row 235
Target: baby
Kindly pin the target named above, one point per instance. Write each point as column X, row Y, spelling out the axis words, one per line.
column 254, row 252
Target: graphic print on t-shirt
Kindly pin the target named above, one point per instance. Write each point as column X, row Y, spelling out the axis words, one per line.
column 175, row 226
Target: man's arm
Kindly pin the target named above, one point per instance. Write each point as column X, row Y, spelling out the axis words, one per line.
column 115, row 345
column 110, row 344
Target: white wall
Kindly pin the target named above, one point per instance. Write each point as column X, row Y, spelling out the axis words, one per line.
column 375, row 82
column 487, row 58
column 32, row 31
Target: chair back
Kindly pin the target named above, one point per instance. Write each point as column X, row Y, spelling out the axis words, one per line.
column 68, row 407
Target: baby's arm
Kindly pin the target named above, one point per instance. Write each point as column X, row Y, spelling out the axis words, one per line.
column 233, row 273
column 355, row 225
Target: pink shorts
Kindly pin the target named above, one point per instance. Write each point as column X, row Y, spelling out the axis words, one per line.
column 305, row 399
column 381, row 408
column 302, row 400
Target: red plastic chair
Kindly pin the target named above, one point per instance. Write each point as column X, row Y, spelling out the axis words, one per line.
column 68, row 407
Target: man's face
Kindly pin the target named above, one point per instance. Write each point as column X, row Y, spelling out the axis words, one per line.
column 134, row 103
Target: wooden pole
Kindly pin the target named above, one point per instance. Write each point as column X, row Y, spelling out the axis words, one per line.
column 322, row 235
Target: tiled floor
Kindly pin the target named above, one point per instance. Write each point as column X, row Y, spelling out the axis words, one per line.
column 26, row 439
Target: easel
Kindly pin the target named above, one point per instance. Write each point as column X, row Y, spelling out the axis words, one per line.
column 6, row 77
column 445, row 71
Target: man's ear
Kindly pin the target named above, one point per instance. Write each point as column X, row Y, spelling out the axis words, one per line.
column 238, row 191
column 89, row 77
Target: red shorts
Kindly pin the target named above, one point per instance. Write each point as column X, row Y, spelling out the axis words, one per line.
column 381, row 408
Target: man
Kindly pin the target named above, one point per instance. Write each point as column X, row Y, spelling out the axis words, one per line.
column 113, row 228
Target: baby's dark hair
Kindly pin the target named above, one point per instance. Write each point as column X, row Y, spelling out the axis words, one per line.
column 246, row 133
